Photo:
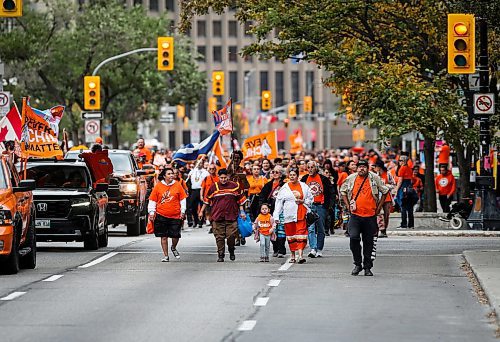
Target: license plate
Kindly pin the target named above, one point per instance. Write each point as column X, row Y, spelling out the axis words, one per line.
column 42, row 223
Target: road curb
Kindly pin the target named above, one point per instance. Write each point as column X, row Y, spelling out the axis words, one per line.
column 450, row 233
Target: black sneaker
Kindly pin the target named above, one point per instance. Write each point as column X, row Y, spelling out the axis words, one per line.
column 368, row 272
column 243, row 241
column 210, row 231
column 232, row 257
column 220, row 259
column 356, row 270
column 175, row 253
column 237, row 243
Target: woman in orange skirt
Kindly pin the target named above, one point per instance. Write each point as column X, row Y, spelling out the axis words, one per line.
column 293, row 201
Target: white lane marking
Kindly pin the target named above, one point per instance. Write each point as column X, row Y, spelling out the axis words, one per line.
column 274, row 282
column 99, row 260
column 247, row 325
column 261, row 301
column 13, row 295
column 286, row 265
column 54, row 277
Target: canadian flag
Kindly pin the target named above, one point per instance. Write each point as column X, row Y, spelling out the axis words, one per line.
column 10, row 126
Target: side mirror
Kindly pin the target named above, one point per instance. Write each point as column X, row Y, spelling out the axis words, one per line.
column 141, row 172
column 101, row 187
column 25, row 185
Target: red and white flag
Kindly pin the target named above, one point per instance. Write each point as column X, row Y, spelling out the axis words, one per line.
column 222, row 119
column 10, row 126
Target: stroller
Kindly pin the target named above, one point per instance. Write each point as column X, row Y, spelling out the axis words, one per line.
column 457, row 217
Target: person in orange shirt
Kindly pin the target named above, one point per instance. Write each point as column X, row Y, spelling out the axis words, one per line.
column 141, row 148
column 264, row 226
column 166, row 208
column 404, row 192
column 256, row 182
column 342, row 174
column 417, row 183
column 445, row 187
column 363, row 193
column 444, row 155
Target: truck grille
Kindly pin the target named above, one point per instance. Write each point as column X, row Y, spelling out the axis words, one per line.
column 52, row 209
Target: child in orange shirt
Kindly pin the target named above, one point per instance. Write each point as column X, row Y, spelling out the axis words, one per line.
column 264, row 226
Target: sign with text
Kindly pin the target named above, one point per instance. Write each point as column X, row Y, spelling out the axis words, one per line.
column 261, row 146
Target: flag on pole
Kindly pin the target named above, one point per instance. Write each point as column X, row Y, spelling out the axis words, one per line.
column 222, row 118
column 217, row 157
column 10, row 126
column 191, row 152
column 263, row 145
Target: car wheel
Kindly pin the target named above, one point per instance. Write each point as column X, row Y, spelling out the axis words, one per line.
column 103, row 239
column 91, row 241
column 11, row 263
column 29, row 260
column 134, row 229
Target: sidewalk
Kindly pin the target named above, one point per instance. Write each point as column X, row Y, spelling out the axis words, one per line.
column 486, row 268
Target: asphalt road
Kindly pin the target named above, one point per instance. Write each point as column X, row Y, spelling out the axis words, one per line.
column 124, row 293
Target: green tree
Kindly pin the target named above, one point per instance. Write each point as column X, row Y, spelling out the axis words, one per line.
column 51, row 50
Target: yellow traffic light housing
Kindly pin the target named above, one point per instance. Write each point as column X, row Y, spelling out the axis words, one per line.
column 266, row 100
column 461, row 44
column 181, row 111
column 308, row 104
column 165, row 53
column 218, row 83
column 237, row 110
column 11, row 8
column 292, row 110
column 212, row 104
column 92, row 93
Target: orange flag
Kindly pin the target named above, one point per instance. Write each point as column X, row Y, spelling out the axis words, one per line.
column 264, row 145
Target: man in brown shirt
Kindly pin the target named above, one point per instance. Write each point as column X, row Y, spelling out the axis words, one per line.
column 225, row 197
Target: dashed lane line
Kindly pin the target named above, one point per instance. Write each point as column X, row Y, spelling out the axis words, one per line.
column 261, row 301
column 274, row 282
column 13, row 295
column 54, row 277
column 286, row 265
column 99, row 260
column 247, row 325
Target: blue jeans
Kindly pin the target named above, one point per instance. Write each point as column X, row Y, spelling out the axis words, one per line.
column 318, row 242
column 265, row 242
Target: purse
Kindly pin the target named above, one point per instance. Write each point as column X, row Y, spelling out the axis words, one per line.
column 311, row 218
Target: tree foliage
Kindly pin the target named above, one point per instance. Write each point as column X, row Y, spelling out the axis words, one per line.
column 50, row 50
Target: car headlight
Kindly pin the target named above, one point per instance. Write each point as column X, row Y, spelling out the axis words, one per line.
column 5, row 217
column 128, row 188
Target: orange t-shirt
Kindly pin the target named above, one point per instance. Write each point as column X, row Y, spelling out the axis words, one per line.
column 342, row 178
column 256, row 184
column 385, row 178
column 168, row 199
column 297, row 191
column 444, row 155
column 405, row 172
column 365, row 203
column 206, row 184
column 316, row 187
column 147, row 152
column 264, row 224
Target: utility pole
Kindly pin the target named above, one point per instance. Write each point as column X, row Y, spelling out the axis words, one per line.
column 485, row 214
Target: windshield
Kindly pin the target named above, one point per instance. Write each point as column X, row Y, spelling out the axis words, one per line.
column 121, row 162
column 57, row 176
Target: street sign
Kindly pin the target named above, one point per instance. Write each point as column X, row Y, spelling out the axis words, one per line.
column 92, row 130
column 484, row 103
column 167, row 118
column 474, row 82
column 4, row 102
column 92, row 115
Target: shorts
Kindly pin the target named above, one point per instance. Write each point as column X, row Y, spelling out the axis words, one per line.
column 167, row 227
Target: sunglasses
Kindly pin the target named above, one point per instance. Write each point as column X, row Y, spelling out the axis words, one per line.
column 275, row 172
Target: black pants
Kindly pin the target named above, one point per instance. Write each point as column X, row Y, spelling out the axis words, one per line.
column 407, row 219
column 362, row 228
column 445, row 203
column 279, row 245
column 193, row 203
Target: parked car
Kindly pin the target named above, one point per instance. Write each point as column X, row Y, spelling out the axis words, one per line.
column 70, row 205
column 17, row 220
column 127, row 193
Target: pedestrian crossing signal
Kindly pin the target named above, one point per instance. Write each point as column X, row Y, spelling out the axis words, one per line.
column 461, row 44
column 92, row 93
column 11, row 8
column 165, row 53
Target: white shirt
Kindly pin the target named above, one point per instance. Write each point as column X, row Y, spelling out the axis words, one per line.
column 197, row 176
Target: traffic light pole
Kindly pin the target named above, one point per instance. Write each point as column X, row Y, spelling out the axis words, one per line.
column 94, row 73
column 485, row 214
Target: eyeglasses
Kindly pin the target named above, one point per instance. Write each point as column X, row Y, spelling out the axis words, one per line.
column 275, row 172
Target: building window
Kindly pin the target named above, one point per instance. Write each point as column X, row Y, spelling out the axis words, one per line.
column 248, row 27
column 170, row 5
column 153, row 5
column 171, row 141
column 264, row 81
column 279, row 95
column 186, row 137
column 217, row 54
column 295, row 86
column 202, row 28
column 232, row 28
column 310, row 84
column 233, row 85
column 217, row 28
column 233, row 54
column 202, row 52
column 136, row 2
column 202, row 109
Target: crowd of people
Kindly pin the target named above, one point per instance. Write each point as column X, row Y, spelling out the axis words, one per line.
column 299, row 199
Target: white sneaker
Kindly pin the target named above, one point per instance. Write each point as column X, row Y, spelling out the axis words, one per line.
column 319, row 254
column 312, row 253
column 165, row 259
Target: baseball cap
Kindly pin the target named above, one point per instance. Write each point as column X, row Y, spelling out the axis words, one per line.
column 363, row 162
column 98, row 140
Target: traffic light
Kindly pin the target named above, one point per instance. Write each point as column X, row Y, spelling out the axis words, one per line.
column 308, row 104
column 212, row 104
column 292, row 110
column 266, row 100
column 165, row 53
column 92, row 93
column 11, row 8
column 218, row 83
column 181, row 111
column 186, row 122
column 461, row 44
column 237, row 110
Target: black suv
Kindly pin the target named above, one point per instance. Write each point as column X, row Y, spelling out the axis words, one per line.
column 69, row 205
column 127, row 193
